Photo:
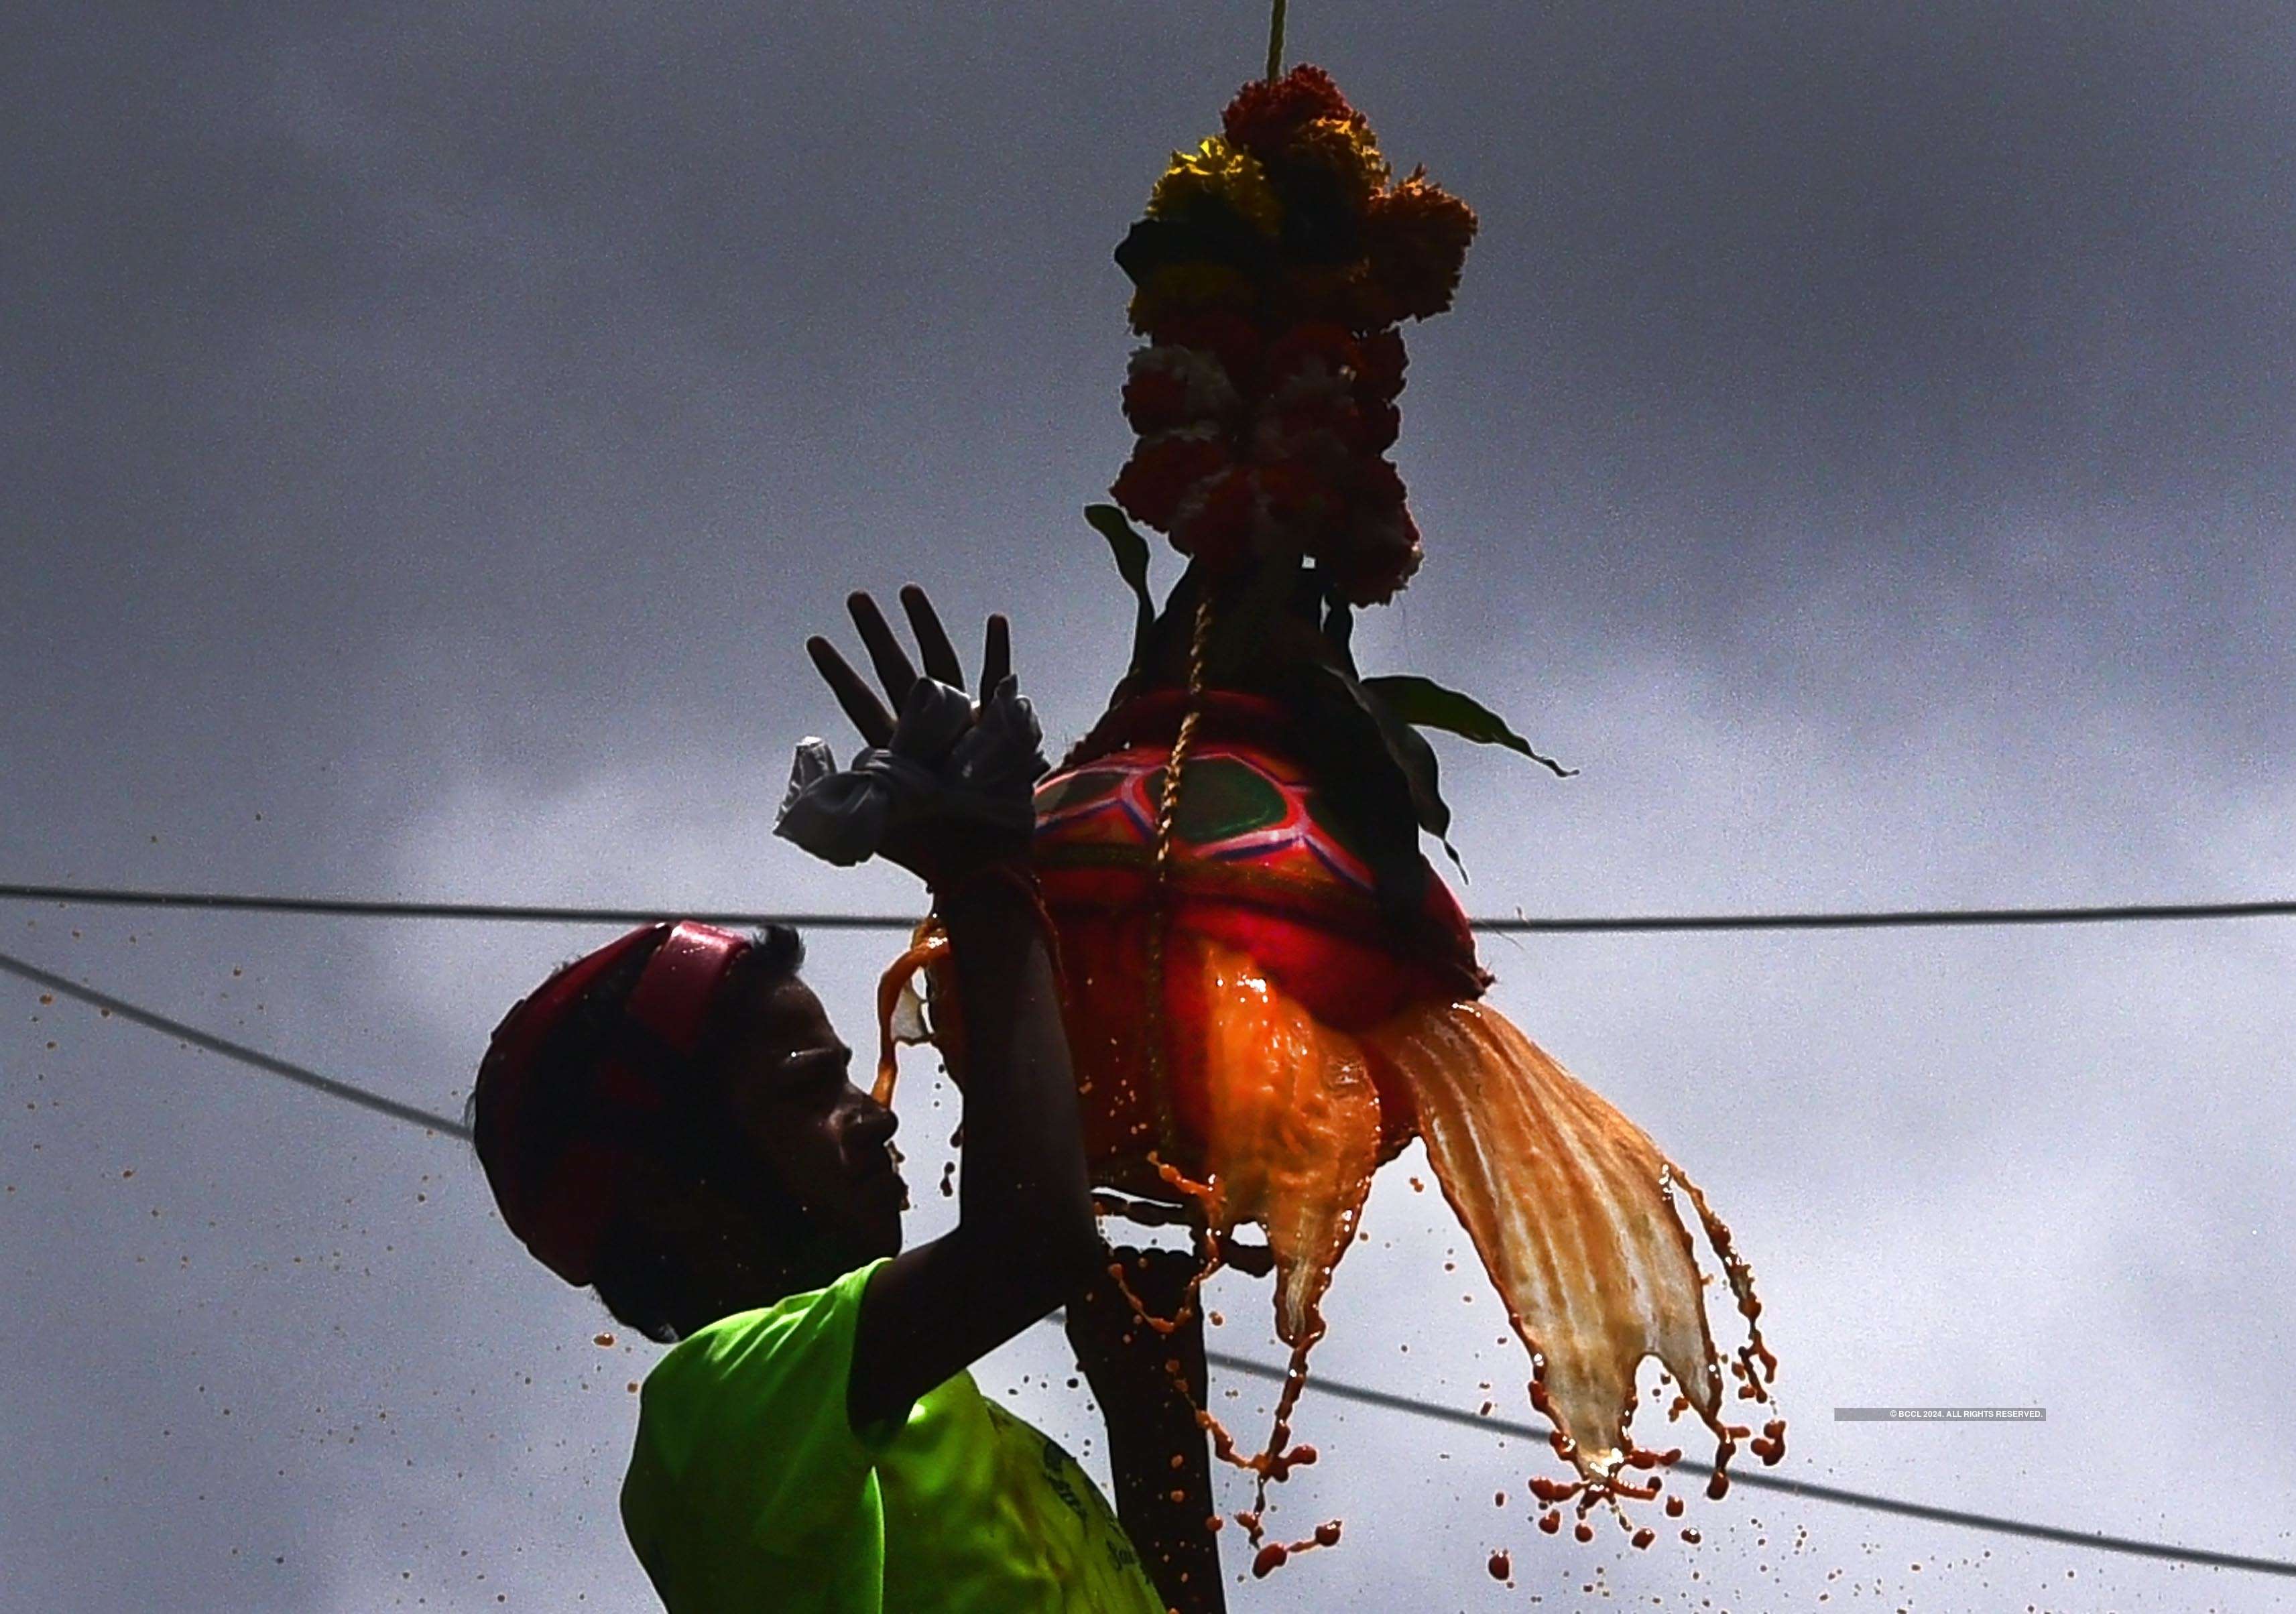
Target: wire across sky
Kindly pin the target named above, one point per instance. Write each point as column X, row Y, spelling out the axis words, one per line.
column 433, row 1121
column 1515, row 924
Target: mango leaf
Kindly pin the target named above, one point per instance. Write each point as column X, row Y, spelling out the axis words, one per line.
column 1373, row 729
column 1131, row 552
column 1424, row 703
column 1375, row 774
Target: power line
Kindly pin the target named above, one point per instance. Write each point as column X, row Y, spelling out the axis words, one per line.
column 1392, row 1401
column 354, row 907
column 229, row 1049
column 1517, row 925
column 1898, row 919
column 1338, row 1390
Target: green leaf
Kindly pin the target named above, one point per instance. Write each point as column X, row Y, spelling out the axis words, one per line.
column 1411, row 759
column 1424, row 703
column 1131, row 552
column 1375, row 777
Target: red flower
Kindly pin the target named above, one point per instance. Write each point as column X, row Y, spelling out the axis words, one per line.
column 1230, row 337
column 1378, row 485
column 1303, row 345
column 1416, row 235
column 1161, row 472
column 1299, row 506
column 1379, row 557
column 1155, row 400
column 1381, row 423
column 1356, row 433
column 1325, row 441
column 1217, row 525
column 1381, row 372
column 1166, row 388
column 1265, row 114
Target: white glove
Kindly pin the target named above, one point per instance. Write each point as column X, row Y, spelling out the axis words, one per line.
column 944, row 761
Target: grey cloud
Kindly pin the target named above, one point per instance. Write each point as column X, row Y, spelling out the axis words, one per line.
column 1862, row 445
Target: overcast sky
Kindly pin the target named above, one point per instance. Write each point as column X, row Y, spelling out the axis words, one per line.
column 1862, row 446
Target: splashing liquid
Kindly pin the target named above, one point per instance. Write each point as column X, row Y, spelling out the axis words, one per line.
column 1573, row 1212
column 1275, row 1554
column 900, row 1006
column 1248, row 1091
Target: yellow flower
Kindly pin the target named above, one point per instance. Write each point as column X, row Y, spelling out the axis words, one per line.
column 1343, row 148
column 1217, row 170
column 1178, row 289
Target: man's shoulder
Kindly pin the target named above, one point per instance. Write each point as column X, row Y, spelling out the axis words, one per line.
column 744, row 1469
column 812, row 1322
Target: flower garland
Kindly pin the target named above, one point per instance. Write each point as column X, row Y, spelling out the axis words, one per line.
column 1272, row 270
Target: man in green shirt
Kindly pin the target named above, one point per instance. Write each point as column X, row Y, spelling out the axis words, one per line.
column 670, row 1121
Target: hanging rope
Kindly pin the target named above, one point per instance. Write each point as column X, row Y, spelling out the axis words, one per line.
column 1168, row 809
column 1275, row 43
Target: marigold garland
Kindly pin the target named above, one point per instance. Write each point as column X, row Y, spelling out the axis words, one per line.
column 1271, row 271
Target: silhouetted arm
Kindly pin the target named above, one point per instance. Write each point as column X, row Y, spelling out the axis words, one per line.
column 1025, row 1236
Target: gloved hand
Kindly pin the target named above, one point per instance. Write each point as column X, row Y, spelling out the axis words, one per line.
column 941, row 790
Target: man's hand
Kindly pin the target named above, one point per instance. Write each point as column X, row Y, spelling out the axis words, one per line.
column 943, row 786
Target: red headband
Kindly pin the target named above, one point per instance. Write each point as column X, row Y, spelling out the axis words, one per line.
column 564, row 1210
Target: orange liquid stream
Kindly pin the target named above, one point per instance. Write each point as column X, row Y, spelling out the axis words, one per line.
column 1576, row 1215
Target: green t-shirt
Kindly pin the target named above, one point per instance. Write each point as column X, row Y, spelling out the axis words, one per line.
column 750, row 1491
